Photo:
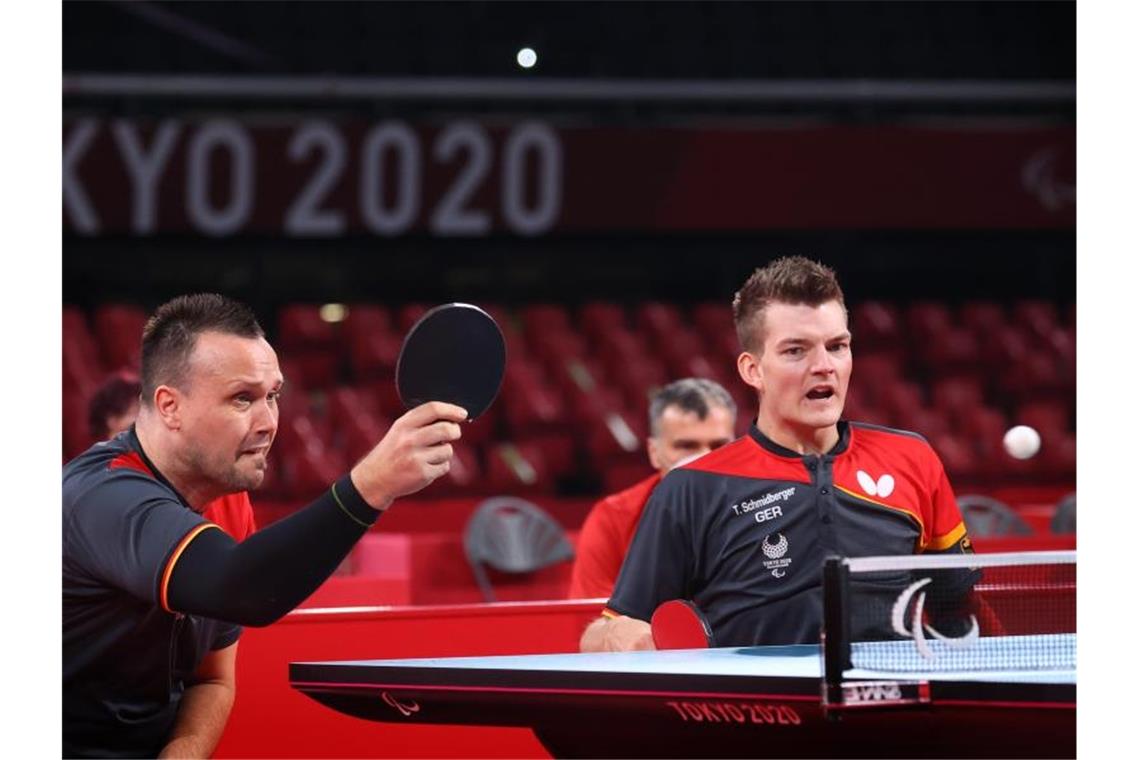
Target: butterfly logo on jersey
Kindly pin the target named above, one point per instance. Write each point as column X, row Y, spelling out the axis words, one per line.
column 775, row 550
column 883, row 487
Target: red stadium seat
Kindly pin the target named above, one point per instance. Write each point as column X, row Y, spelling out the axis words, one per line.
column 984, row 428
column 955, row 349
column 1064, row 343
column 1046, row 416
column 355, row 421
column 637, row 379
column 714, row 320
column 929, row 422
column 345, row 402
column 366, row 317
column 373, row 344
column 876, row 325
column 901, row 399
column 309, row 472
column 982, row 317
column 1004, row 468
column 82, row 370
column 532, row 406
column 74, row 320
column 689, row 354
column 271, row 485
column 728, row 346
column 558, row 449
column 1059, row 455
column 856, row 400
column 1039, row 317
column 957, row 395
column 408, row 314
column 873, row 374
column 614, row 435
column 300, row 328
column 82, row 364
column 556, row 347
column 698, row 364
column 374, row 354
column 312, row 346
column 598, row 318
column 528, row 399
column 982, row 423
column 517, row 347
column 517, row 468
column 481, row 430
column 927, row 320
column 543, row 318
column 309, row 370
column 620, row 348
column 119, row 329
column 958, row 457
column 868, row 414
column 383, row 391
column 503, row 316
column 658, row 320
column 1005, row 346
column 580, row 379
column 76, row 436
column 746, row 407
column 303, row 448
column 1035, row 376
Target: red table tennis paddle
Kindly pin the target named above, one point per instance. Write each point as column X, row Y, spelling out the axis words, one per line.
column 680, row 624
column 453, row 353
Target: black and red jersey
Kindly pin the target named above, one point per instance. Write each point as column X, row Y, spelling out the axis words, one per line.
column 126, row 655
column 743, row 531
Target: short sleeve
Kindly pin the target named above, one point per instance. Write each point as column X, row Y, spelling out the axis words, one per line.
column 947, row 529
column 658, row 566
column 598, row 555
column 126, row 531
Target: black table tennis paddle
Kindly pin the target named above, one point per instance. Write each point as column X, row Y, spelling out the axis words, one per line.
column 453, row 353
column 680, row 624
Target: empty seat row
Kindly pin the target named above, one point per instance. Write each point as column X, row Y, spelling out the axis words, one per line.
column 575, row 394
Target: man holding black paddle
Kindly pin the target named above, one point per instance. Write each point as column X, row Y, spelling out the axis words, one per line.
column 153, row 593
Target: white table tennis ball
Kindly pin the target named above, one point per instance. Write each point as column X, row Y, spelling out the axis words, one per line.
column 1021, row 441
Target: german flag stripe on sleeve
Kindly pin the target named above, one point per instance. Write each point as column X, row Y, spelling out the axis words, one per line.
column 174, row 555
column 946, row 540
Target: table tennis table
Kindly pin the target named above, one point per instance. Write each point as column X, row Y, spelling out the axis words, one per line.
column 751, row 701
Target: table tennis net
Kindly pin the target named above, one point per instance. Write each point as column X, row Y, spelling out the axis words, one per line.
column 952, row 613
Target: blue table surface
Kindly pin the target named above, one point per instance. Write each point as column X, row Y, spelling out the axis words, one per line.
column 800, row 661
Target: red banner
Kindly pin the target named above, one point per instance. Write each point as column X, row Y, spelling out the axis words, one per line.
column 224, row 177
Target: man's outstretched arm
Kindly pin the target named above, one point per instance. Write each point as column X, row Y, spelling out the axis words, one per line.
column 271, row 572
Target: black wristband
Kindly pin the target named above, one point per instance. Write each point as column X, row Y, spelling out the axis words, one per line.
column 350, row 501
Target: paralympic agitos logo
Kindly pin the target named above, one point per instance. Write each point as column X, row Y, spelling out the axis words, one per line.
column 405, row 708
column 917, row 629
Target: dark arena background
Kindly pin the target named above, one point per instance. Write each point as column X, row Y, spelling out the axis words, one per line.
column 343, row 166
